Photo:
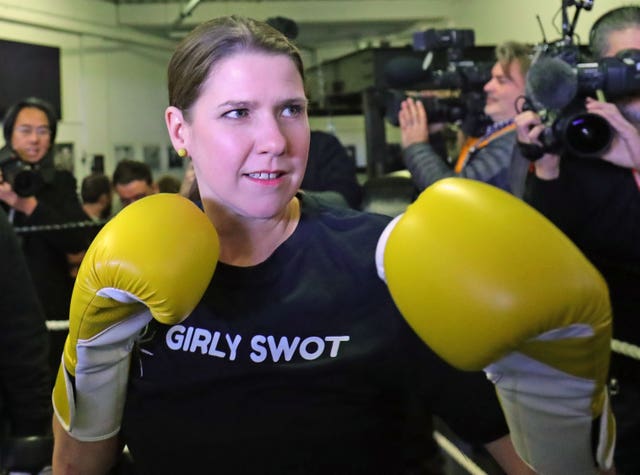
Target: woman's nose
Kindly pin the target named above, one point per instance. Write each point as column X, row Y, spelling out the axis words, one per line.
column 272, row 139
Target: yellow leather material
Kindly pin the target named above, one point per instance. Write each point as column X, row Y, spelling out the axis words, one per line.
column 477, row 272
column 489, row 283
column 157, row 257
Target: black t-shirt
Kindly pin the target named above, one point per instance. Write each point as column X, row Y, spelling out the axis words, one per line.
column 301, row 364
column 25, row 398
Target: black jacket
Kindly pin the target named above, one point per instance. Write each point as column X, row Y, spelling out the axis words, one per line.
column 25, row 403
column 330, row 168
column 597, row 205
column 46, row 251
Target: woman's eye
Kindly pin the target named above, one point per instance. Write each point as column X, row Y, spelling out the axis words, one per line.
column 237, row 113
column 293, row 110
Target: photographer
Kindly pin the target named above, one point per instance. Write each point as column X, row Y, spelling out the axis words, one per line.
column 487, row 158
column 596, row 202
column 35, row 193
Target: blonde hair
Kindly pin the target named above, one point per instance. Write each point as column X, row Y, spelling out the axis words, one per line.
column 510, row 51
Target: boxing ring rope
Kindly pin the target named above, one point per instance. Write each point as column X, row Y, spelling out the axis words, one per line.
column 627, row 349
column 57, row 227
column 457, row 455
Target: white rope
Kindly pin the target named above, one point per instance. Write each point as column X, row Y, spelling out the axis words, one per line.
column 456, row 454
column 57, row 325
column 626, row 349
column 35, row 228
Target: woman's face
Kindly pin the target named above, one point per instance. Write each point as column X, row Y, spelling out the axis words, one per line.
column 248, row 134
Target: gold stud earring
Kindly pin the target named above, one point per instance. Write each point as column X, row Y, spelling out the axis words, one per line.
column 182, row 152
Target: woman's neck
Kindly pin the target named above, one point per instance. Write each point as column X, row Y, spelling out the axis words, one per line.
column 247, row 242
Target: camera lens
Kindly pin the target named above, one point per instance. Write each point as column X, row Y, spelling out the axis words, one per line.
column 27, row 183
column 587, row 134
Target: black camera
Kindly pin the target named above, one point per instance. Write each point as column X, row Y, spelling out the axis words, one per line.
column 458, row 73
column 616, row 76
column 573, row 130
column 557, row 91
column 451, row 109
column 456, row 40
column 558, row 85
column 24, row 178
column 439, row 109
column 465, row 77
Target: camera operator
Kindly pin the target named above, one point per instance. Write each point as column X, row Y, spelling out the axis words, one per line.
column 487, row 158
column 34, row 193
column 596, row 202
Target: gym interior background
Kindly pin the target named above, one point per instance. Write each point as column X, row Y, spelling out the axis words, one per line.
column 112, row 57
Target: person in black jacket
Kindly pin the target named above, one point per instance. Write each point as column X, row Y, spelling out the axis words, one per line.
column 25, row 405
column 596, row 203
column 38, row 199
column 331, row 169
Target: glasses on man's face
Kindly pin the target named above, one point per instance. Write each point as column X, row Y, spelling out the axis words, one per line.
column 27, row 131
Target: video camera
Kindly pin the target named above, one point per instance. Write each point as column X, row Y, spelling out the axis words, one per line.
column 464, row 76
column 24, row 178
column 558, row 83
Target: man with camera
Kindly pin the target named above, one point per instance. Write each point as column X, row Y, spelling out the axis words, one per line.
column 487, row 158
column 36, row 194
column 596, row 202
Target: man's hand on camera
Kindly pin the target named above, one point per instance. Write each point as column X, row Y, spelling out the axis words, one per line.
column 625, row 147
column 414, row 126
column 24, row 205
column 529, row 126
column 6, row 193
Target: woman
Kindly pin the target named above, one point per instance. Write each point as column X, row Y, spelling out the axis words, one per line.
column 304, row 364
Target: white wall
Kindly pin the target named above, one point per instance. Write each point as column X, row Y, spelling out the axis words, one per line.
column 495, row 21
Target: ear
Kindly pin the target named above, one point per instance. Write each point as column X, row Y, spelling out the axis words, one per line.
column 176, row 125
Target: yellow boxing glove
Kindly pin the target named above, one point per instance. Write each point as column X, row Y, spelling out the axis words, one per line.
column 489, row 283
column 154, row 259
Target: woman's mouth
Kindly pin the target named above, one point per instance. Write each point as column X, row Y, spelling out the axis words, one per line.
column 264, row 175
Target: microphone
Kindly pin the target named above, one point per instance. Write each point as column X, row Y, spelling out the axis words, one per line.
column 551, row 83
column 404, row 71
